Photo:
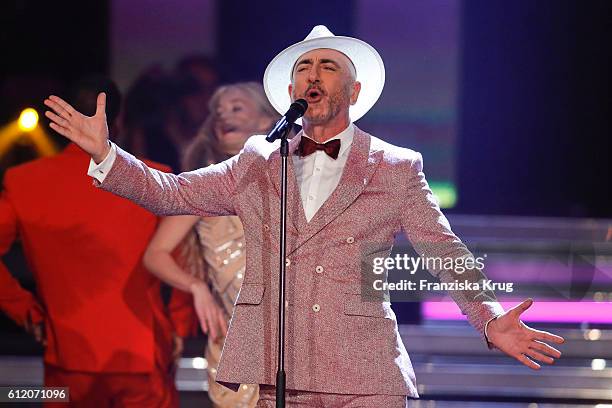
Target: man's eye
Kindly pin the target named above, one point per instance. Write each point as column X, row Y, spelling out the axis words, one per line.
column 236, row 108
column 329, row 68
column 301, row 69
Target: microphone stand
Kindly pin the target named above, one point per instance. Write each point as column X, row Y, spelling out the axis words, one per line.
column 281, row 131
column 280, row 373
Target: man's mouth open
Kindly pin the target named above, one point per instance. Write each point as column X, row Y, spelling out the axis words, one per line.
column 314, row 96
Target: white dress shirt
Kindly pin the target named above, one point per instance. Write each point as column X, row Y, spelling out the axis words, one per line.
column 318, row 174
column 99, row 171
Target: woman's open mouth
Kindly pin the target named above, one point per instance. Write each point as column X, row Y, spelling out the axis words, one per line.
column 228, row 128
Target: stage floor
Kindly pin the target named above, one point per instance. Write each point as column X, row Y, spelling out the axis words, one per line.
column 453, row 368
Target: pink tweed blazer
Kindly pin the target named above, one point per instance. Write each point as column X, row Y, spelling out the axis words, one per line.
column 337, row 342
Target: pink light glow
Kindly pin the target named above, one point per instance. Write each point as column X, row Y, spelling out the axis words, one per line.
column 562, row 312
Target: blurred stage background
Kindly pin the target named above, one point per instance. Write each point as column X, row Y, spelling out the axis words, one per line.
column 508, row 101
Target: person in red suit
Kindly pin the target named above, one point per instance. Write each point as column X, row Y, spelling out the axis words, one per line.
column 98, row 312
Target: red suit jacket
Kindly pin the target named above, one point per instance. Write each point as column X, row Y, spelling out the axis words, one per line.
column 84, row 246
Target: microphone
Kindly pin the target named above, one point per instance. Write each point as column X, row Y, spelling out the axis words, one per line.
column 296, row 111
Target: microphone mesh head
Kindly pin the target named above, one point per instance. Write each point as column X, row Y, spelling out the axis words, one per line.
column 296, row 110
column 303, row 105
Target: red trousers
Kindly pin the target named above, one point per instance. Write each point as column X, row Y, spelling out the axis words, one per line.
column 114, row 390
column 110, row 390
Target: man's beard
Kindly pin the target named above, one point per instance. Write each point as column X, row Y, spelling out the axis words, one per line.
column 333, row 106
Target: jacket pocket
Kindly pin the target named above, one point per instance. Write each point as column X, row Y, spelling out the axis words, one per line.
column 355, row 305
column 250, row 294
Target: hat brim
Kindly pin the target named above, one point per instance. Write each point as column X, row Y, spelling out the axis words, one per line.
column 368, row 65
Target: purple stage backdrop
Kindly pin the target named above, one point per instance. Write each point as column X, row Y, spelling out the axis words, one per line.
column 419, row 42
column 143, row 33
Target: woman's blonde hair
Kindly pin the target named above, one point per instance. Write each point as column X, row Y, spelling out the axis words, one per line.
column 205, row 148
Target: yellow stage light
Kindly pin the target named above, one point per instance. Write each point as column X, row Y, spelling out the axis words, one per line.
column 28, row 120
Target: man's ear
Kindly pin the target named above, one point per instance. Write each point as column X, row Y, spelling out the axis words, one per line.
column 290, row 90
column 355, row 93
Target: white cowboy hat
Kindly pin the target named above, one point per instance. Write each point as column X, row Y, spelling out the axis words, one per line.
column 368, row 65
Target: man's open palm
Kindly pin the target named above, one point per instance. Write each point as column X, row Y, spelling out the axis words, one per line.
column 509, row 334
column 90, row 133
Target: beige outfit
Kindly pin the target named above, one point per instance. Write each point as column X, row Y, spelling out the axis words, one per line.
column 222, row 244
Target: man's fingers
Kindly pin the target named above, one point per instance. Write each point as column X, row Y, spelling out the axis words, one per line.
column 522, row 307
column 546, row 336
column 57, row 108
column 545, row 348
column 525, row 360
column 28, row 325
column 61, row 130
column 536, row 355
column 65, row 105
column 101, row 104
column 178, row 346
column 39, row 334
column 57, row 119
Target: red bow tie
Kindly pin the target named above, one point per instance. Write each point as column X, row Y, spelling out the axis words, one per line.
column 308, row 146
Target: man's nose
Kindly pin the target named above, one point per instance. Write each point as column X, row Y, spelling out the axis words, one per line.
column 313, row 74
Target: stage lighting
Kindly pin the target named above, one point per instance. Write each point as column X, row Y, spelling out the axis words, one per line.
column 199, row 363
column 598, row 364
column 593, row 334
column 28, row 120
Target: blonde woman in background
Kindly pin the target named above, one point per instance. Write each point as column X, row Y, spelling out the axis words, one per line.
column 212, row 257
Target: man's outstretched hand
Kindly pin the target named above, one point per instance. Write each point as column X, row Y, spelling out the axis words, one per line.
column 509, row 334
column 90, row 133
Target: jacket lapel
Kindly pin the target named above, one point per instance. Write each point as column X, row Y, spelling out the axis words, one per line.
column 296, row 218
column 358, row 171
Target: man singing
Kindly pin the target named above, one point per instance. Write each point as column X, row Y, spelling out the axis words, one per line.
column 349, row 195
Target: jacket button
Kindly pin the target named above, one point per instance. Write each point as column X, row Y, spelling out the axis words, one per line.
column 319, row 269
column 287, row 262
column 316, row 308
column 350, row 240
column 266, row 227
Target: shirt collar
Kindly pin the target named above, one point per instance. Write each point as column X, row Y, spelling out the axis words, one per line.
column 346, row 138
